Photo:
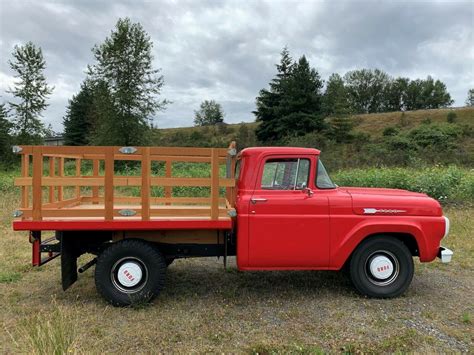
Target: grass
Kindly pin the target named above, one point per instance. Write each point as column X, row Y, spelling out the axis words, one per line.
column 207, row 309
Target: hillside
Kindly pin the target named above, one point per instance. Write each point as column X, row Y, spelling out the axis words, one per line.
column 373, row 123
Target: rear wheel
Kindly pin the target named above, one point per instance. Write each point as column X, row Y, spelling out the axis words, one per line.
column 130, row 272
column 381, row 267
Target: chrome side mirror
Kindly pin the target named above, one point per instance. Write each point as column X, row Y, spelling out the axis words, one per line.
column 308, row 191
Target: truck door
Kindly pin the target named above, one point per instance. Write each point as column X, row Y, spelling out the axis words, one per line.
column 289, row 218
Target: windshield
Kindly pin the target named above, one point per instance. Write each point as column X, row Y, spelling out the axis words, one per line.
column 323, row 181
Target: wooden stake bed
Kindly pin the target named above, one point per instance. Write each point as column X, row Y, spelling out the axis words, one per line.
column 97, row 199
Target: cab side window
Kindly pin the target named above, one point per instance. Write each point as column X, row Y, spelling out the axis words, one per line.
column 285, row 174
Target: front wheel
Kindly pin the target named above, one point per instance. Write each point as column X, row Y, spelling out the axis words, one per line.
column 381, row 267
column 130, row 272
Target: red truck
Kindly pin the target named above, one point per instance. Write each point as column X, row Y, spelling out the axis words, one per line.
column 275, row 208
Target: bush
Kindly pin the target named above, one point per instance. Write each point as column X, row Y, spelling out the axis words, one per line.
column 451, row 117
column 436, row 136
column 446, row 184
column 390, row 131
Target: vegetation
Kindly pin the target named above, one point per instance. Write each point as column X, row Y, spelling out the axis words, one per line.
column 30, row 92
column 5, row 136
column 470, row 98
column 209, row 113
column 293, row 104
column 127, row 86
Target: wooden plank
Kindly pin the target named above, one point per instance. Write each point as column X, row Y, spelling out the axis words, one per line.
column 186, row 151
column 25, row 190
column 155, row 200
column 70, row 202
column 36, row 181
column 52, row 167
column 78, row 174
column 109, row 183
column 168, row 174
column 214, row 184
column 123, row 181
column 61, row 175
column 146, row 183
column 95, row 173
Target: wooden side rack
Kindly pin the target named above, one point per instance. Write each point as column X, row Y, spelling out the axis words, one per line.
column 58, row 196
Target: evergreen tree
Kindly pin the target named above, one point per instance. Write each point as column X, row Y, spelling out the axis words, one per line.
column 470, row 98
column 292, row 106
column 336, row 98
column 5, row 138
column 210, row 113
column 31, row 92
column 79, row 118
column 126, row 78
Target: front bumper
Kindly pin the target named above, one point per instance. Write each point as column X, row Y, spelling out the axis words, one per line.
column 445, row 254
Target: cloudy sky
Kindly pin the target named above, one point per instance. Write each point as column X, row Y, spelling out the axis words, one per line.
column 226, row 50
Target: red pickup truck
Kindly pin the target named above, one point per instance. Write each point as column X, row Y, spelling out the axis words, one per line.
column 275, row 208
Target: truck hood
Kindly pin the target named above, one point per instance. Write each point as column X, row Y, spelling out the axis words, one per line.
column 375, row 201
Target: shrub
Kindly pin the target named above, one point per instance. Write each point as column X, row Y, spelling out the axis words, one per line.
column 390, row 131
column 451, row 117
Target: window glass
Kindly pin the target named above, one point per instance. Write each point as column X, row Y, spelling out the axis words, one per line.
column 285, row 174
column 323, row 181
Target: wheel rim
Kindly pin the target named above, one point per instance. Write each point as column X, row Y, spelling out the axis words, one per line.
column 129, row 275
column 382, row 268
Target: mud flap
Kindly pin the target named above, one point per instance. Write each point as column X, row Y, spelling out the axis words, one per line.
column 68, row 261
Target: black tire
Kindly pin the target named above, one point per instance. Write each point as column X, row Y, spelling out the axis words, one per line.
column 130, row 272
column 381, row 267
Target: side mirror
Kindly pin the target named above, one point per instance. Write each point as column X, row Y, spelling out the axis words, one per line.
column 308, row 191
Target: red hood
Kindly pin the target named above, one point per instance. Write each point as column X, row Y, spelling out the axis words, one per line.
column 376, row 201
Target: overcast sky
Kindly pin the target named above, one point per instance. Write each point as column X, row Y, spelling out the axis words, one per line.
column 226, row 50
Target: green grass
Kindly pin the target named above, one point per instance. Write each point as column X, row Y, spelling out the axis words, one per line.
column 447, row 184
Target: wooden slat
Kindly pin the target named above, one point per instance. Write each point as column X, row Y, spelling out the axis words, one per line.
column 109, row 183
column 78, row 174
column 61, row 175
column 156, row 200
column 70, row 202
column 52, row 167
column 183, row 151
column 25, row 190
column 168, row 167
column 36, row 181
column 124, row 181
column 146, row 183
column 214, row 184
column 95, row 173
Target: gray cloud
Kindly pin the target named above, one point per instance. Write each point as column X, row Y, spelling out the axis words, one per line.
column 226, row 50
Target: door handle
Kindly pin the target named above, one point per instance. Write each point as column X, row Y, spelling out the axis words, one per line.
column 255, row 200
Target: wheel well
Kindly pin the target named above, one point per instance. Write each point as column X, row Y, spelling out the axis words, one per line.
column 408, row 239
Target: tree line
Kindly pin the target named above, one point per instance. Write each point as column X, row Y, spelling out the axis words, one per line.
column 296, row 104
column 121, row 93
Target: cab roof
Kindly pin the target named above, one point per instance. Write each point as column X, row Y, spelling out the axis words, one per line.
column 280, row 150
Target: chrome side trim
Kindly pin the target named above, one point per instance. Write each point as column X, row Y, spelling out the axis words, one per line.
column 447, row 226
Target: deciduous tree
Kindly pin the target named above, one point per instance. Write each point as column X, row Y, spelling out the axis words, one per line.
column 210, row 113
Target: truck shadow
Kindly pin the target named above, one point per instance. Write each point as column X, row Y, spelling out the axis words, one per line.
column 206, row 279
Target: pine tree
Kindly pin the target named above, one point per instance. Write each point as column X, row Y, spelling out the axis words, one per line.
column 31, row 92
column 210, row 113
column 79, row 118
column 292, row 106
column 338, row 107
column 126, row 77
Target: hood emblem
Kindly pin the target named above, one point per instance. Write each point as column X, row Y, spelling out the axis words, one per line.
column 375, row 210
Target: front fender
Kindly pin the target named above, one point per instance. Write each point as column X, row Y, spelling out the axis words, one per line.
column 345, row 243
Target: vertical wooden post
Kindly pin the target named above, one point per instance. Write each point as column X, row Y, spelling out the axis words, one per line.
column 168, row 175
column 37, row 177
column 230, row 173
column 25, row 171
column 78, row 174
column 146, row 182
column 60, row 174
column 214, row 184
column 52, row 166
column 95, row 173
column 109, row 184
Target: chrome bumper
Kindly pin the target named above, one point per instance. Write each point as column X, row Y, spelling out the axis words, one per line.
column 445, row 254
